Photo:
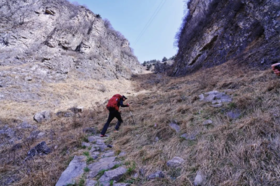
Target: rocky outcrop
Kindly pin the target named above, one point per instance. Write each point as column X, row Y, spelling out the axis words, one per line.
column 218, row 31
column 56, row 38
column 46, row 42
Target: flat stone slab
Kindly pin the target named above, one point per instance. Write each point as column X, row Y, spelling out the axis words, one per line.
column 94, row 154
column 84, row 144
column 102, row 164
column 115, row 175
column 93, row 139
column 91, row 183
column 122, row 154
column 109, row 154
column 74, row 171
column 175, row 162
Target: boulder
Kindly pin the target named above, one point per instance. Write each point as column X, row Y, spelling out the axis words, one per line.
column 39, row 149
column 40, row 117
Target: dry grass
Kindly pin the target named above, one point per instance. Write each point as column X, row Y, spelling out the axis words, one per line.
column 242, row 151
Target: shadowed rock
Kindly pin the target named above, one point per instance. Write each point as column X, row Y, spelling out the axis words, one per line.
column 39, row 149
column 234, row 114
column 158, row 174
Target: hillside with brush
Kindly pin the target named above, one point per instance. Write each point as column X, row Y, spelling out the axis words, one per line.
column 215, row 121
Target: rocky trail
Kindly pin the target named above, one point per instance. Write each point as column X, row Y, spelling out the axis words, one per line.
column 96, row 164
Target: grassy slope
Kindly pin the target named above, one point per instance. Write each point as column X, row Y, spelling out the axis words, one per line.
column 244, row 151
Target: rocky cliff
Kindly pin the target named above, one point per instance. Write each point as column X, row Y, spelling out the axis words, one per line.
column 51, row 39
column 216, row 31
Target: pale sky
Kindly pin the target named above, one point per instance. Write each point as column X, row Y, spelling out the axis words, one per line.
column 149, row 25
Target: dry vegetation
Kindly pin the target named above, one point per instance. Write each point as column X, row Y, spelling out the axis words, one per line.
column 242, row 151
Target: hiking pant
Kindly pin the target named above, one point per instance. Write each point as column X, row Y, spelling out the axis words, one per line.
column 112, row 113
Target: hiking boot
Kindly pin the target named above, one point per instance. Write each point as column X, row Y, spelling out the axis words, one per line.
column 116, row 131
column 101, row 135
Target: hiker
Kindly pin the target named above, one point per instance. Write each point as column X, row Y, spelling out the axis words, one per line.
column 276, row 68
column 113, row 107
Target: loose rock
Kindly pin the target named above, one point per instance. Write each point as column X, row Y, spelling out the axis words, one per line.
column 175, row 162
column 175, row 127
column 42, row 116
column 158, row 174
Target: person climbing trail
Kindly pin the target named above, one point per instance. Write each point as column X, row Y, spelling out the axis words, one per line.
column 113, row 106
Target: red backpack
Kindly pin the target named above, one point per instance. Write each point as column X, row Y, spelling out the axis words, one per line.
column 113, row 102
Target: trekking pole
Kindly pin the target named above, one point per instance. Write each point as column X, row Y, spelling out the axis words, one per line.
column 131, row 116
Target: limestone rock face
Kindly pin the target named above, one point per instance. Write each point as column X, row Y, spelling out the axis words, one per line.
column 218, row 31
column 44, row 40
